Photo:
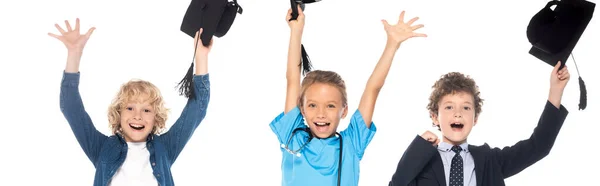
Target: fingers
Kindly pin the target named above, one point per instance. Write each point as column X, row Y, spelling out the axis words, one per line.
column 60, row 29
column 556, row 67
column 436, row 142
column 288, row 15
column 419, row 35
column 77, row 25
column 68, row 26
column 197, row 37
column 300, row 12
column 89, row 32
column 411, row 21
column 401, row 18
column 413, row 28
column 563, row 74
column 385, row 23
column 430, row 139
column 55, row 36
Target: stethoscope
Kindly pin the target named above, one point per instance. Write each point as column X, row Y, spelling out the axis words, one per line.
column 310, row 137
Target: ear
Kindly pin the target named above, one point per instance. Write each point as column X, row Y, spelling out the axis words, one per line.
column 434, row 118
column 475, row 120
column 301, row 110
column 344, row 112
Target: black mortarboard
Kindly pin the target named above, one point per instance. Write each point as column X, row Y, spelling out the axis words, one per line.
column 554, row 34
column 215, row 17
column 305, row 63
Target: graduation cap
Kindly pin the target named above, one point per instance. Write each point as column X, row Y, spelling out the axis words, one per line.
column 553, row 34
column 305, row 61
column 215, row 17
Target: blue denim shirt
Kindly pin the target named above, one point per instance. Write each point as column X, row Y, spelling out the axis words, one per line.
column 108, row 153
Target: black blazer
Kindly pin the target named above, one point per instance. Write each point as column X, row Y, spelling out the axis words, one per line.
column 422, row 165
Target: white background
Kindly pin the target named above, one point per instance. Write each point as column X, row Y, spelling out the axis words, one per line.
column 234, row 144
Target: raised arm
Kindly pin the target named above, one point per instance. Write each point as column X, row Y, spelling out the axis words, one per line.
column 525, row 153
column 415, row 158
column 293, row 61
column 195, row 109
column 71, row 104
column 396, row 34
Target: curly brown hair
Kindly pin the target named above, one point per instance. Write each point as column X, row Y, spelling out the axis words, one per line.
column 326, row 77
column 452, row 83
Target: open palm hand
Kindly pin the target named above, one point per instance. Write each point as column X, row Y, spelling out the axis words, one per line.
column 72, row 39
column 402, row 31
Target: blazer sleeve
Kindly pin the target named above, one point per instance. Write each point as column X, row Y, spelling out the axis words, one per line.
column 525, row 153
column 414, row 159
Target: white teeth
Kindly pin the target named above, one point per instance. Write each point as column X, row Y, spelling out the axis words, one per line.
column 135, row 125
column 321, row 123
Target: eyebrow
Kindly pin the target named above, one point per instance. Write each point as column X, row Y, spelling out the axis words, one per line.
column 468, row 102
column 310, row 100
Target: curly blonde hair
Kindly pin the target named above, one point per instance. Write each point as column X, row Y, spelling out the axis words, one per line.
column 136, row 90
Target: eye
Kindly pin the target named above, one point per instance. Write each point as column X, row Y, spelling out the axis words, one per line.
column 448, row 107
column 129, row 108
column 312, row 105
column 467, row 108
column 330, row 106
column 147, row 110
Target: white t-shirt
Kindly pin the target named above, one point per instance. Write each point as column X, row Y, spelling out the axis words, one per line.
column 136, row 170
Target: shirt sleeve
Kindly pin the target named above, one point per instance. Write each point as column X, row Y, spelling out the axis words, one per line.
column 192, row 115
column 285, row 123
column 358, row 134
column 71, row 105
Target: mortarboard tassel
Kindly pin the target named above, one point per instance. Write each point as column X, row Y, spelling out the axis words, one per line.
column 582, row 89
column 185, row 85
column 305, row 62
column 582, row 94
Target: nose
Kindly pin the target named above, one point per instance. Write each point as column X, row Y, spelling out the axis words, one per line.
column 458, row 114
column 137, row 115
column 321, row 113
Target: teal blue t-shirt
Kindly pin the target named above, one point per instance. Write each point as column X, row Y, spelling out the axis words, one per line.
column 318, row 161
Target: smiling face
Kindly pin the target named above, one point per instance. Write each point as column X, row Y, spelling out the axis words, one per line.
column 137, row 111
column 323, row 102
column 454, row 106
column 323, row 109
column 137, row 121
column 456, row 117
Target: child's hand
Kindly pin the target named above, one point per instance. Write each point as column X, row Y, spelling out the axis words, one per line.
column 401, row 31
column 298, row 24
column 72, row 39
column 201, row 50
column 431, row 137
column 559, row 78
column 558, row 82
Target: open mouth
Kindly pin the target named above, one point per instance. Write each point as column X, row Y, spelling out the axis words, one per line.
column 322, row 126
column 136, row 126
column 456, row 125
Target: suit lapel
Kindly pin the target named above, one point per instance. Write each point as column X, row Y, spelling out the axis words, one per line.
column 438, row 169
column 479, row 159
